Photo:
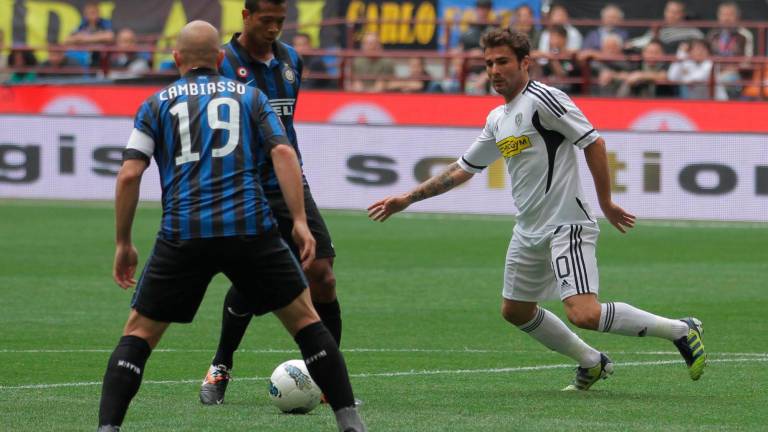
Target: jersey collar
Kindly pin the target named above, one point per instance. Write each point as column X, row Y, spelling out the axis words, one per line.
column 246, row 56
column 201, row 71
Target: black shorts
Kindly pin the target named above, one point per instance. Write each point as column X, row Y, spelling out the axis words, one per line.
column 178, row 272
column 324, row 245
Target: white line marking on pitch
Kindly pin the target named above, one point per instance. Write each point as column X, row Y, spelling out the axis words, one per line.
column 397, row 374
column 364, row 350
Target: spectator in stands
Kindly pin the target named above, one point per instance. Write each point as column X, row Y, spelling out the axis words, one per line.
column 93, row 30
column 648, row 81
column 130, row 63
column 417, row 80
column 730, row 40
column 694, row 71
column 58, row 64
column 482, row 21
column 314, row 64
column 611, row 17
column 476, row 81
column 22, row 60
column 606, row 65
column 672, row 33
column 558, row 16
column 376, row 69
column 450, row 82
column 5, row 75
column 525, row 22
column 759, row 82
column 555, row 66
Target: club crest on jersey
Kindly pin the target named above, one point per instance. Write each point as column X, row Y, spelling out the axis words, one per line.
column 242, row 72
column 288, row 73
column 512, row 146
column 518, row 119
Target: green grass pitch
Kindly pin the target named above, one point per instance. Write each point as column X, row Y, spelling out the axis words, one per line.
column 423, row 337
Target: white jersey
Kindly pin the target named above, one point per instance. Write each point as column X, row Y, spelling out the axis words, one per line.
column 537, row 134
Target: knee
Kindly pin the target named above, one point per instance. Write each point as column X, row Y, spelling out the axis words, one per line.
column 516, row 315
column 322, row 283
column 142, row 327
column 586, row 318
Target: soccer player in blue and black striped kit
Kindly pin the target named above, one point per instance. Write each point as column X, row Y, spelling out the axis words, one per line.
column 257, row 57
column 208, row 136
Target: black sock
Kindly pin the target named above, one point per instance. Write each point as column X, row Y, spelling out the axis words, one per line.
column 326, row 364
column 122, row 379
column 234, row 322
column 330, row 314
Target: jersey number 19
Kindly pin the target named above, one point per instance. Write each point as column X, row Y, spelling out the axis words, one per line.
column 181, row 111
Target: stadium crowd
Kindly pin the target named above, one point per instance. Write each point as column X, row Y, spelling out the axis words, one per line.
column 672, row 58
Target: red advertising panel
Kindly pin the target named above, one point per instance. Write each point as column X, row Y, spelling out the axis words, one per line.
column 421, row 110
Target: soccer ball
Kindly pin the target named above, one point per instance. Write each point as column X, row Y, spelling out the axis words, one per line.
column 292, row 390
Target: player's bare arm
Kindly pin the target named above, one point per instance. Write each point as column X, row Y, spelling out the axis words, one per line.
column 288, row 173
column 597, row 160
column 439, row 184
column 126, row 200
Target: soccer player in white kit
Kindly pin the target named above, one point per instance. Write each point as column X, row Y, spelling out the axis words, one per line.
column 552, row 251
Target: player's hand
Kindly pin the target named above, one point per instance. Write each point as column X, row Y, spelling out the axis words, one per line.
column 381, row 210
column 618, row 217
column 124, row 268
column 302, row 236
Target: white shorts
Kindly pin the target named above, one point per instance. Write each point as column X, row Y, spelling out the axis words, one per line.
column 557, row 265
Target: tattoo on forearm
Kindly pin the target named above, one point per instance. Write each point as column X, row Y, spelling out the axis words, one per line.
column 436, row 185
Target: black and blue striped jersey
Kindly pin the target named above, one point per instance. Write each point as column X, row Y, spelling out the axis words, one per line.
column 208, row 135
column 279, row 79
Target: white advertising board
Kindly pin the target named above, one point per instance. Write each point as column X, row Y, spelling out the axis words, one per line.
column 692, row 176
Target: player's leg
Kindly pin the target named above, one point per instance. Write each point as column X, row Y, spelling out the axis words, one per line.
column 170, row 289
column 322, row 281
column 576, row 268
column 268, row 275
column 235, row 318
column 528, row 279
column 323, row 359
column 125, row 368
column 322, row 286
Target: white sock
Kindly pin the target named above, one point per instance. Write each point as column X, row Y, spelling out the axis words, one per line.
column 623, row 319
column 552, row 332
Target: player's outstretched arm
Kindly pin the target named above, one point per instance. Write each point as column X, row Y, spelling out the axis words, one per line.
column 126, row 200
column 288, row 173
column 597, row 160
column 453, row 176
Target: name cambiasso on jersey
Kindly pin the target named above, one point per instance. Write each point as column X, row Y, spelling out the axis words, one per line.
column 208, row 135
column 279, row 79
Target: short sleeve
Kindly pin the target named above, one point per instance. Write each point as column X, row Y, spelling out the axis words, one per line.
column 140, row 146
column 146, row 120
column 142, row 142
column 483, row 151
column 559, row 113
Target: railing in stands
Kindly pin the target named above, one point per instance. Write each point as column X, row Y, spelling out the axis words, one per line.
column 756, row 65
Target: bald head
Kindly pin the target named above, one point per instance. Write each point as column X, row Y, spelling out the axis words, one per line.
column 197, row 46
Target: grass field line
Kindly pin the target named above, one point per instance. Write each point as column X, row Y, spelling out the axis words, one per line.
column 424, row 372
column 365, row 350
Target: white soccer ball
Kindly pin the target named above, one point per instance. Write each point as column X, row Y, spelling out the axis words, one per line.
column 292, row 390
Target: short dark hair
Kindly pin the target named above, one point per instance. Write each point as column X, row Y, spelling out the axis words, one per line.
column 559, row 29
column 701, row 42
column 253, row 5
column 304, row 35
column 516, row 41
column 656, row 41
